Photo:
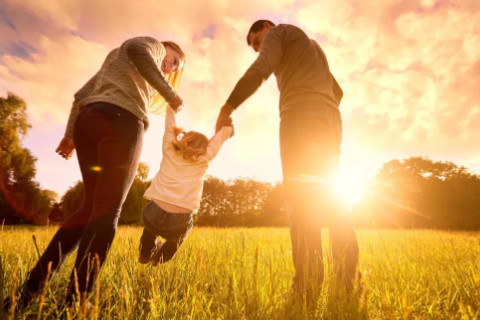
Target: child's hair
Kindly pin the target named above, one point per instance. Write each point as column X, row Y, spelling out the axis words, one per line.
column 193, row 145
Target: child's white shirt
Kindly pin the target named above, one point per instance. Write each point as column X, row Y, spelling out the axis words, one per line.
column 179, row 181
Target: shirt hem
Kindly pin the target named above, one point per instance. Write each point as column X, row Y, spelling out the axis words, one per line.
column 188, row 206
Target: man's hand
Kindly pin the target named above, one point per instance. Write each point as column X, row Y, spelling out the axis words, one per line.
column 224, row 118
column 66, row 148
column 229, row 123
column 176, row 103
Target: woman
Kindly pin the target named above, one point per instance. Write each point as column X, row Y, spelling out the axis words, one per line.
column 106, row 126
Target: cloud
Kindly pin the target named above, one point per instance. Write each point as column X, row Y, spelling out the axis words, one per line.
column 48, row 78
column 410, row 70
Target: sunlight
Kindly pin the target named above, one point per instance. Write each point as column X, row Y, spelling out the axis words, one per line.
column 350, row 185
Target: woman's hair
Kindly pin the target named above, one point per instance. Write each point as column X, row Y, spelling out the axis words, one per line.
column 193, row 145
column 175, row 47
column 159, row 104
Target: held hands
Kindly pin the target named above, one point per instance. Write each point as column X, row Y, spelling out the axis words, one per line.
column 176, row 104
column 224, row 117
column 66, row 148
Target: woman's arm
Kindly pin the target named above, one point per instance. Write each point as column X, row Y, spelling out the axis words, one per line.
column 82, row 93
column 71, row 119
column 142, row 52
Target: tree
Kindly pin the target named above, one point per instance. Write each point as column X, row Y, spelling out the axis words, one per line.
column 247, row 199
column 421, row 193
column 135, row 202
column 213, row 203
column 21, row 197
column 72, row 199
column 56, row 214
column 274, row 208
column 241, row 202
column 132, row 208
column 142, row 172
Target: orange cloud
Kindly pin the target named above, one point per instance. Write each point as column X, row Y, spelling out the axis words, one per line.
column 410, row 70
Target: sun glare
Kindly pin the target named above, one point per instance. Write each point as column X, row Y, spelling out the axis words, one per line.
column 350, row 186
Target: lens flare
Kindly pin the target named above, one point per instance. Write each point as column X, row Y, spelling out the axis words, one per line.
column 95, row 168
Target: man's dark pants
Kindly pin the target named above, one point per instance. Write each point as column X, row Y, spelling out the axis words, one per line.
column 310, row 138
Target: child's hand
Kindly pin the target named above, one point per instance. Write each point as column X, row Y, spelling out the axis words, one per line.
column 228, row 122
column 224, row 118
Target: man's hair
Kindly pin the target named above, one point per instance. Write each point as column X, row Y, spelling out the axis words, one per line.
column 258, row 26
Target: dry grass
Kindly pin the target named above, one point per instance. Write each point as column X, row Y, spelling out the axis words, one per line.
column 246, row 274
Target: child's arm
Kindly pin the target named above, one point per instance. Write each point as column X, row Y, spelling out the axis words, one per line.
column 217, row 141
column 170, row 124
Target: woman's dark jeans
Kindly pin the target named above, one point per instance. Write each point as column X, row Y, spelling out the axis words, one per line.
column 173, row 227
column 108, row 140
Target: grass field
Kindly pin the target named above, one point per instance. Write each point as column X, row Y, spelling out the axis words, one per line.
column 246, row 274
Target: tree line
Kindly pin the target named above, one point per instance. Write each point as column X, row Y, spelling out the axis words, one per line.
column 239, row 202
column 411, row 193
column 421, row 193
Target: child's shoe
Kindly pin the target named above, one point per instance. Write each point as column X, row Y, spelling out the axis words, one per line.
column 143, row 259
column 156, row 253
column 144, row 256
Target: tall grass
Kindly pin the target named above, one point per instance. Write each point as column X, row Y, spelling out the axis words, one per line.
column 247, row 273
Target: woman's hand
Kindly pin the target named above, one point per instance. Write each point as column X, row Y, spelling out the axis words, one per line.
column 66, row 148
column 176, row 103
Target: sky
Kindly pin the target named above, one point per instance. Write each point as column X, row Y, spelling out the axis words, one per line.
column 410, row 72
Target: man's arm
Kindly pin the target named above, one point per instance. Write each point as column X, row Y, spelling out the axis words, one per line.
column 267, row 61
column 270, row 54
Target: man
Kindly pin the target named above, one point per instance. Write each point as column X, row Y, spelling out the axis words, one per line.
column 310, row 137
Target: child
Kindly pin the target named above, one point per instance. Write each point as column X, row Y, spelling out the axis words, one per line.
column 176, row 190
